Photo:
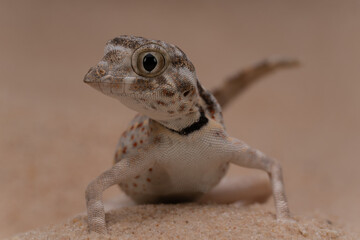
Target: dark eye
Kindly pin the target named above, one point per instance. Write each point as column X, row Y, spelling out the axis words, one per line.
column 149, row 62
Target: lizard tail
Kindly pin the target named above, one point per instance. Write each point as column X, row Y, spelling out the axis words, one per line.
column 239, row 82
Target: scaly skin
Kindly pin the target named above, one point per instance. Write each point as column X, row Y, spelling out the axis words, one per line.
column 176, row 148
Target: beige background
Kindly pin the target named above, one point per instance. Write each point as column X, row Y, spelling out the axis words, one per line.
column 57, row 134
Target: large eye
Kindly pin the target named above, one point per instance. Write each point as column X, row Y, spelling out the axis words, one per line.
column 150, row 63
column 149, row 60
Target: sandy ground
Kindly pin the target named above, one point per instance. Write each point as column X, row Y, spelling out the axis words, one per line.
column 193, row 221
column 57, row 134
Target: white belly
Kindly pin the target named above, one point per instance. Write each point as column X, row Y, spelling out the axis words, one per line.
column 185, row 166
column 193, row 167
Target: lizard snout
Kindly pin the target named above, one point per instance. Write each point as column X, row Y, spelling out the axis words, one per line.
column 86, row 77
column 96, row 74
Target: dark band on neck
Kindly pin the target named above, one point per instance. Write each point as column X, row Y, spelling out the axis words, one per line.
column 203, row 120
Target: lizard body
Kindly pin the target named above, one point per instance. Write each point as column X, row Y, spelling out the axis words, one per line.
column 176, row 148
column 167, row 180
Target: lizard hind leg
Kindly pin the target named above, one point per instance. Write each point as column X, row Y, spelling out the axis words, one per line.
column 243, row 189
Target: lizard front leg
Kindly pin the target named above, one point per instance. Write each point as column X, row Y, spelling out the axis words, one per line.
column 245, row 156
column 124, row 169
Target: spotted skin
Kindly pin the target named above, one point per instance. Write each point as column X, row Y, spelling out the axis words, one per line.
column 176, row 149
column 135, row 137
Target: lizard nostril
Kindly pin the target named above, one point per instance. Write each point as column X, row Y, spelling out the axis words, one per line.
column 100, row 72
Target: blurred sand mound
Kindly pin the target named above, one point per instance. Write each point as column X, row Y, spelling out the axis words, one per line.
column 194, row 221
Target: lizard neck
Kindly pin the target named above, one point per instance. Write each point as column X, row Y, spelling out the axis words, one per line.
column 187, row 124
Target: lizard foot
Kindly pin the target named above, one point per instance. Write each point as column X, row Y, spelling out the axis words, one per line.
column 97, row 226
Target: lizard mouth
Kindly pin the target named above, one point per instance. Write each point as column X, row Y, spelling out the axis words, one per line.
column 108, row 79
column 110, row 85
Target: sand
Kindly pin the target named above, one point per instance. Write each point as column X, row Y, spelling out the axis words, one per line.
column 194, row 221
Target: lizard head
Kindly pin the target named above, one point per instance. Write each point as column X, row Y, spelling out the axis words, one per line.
column 149, row 76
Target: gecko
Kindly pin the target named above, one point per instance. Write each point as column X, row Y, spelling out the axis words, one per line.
column 176, row 148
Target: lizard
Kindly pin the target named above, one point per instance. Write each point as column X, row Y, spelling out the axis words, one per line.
column 177, row 148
